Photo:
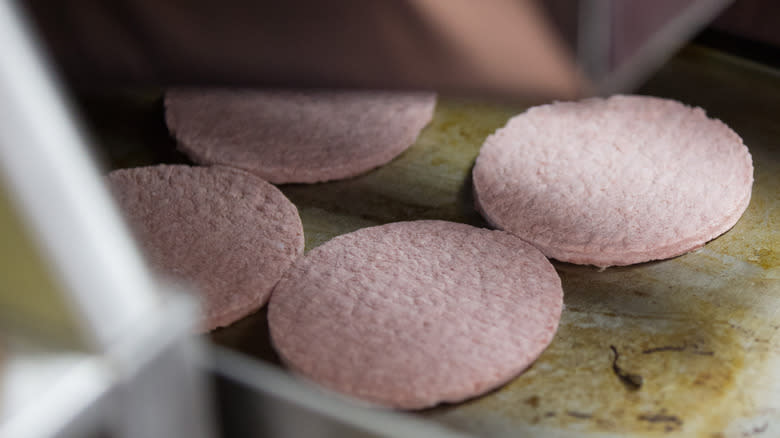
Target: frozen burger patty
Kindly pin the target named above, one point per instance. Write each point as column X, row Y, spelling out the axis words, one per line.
column 226, row 232
column 614, row 181
column 411, row 314
column 296, row 136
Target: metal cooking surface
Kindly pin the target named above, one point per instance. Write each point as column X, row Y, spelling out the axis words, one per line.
column 700, row 329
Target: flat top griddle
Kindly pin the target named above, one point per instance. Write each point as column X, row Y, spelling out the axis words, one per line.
column 689, row 345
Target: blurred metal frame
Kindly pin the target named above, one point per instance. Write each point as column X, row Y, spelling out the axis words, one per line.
column 140, row 350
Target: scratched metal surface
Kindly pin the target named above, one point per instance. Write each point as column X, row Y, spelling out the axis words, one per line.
column 699, row 331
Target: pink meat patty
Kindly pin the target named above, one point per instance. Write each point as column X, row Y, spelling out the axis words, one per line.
column 296, row 136
column 411, row 314
column 224, row 231
column 614, row 181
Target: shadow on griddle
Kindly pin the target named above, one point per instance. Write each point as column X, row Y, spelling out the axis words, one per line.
column 250, row 336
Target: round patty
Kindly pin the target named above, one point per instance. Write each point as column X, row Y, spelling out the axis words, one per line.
column 296, row 136
column 614, row 181
column 229, row 234
column 411, row 314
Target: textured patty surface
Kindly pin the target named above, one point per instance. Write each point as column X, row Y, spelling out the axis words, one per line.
column 411, row 314
column 296, row 136
column 223, row 231
column 614, row 181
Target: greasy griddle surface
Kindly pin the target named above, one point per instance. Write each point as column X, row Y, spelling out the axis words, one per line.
column 699, row 332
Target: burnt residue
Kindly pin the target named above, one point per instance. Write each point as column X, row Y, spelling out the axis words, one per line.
column 757, row 430
column 533, row 401
column 665, row 348
column 630, row 380
column 693, row 349
column 670, row 422
column 661, row 418
column 580, row 415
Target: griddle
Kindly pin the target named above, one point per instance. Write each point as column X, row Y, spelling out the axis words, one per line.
column 689, row 345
